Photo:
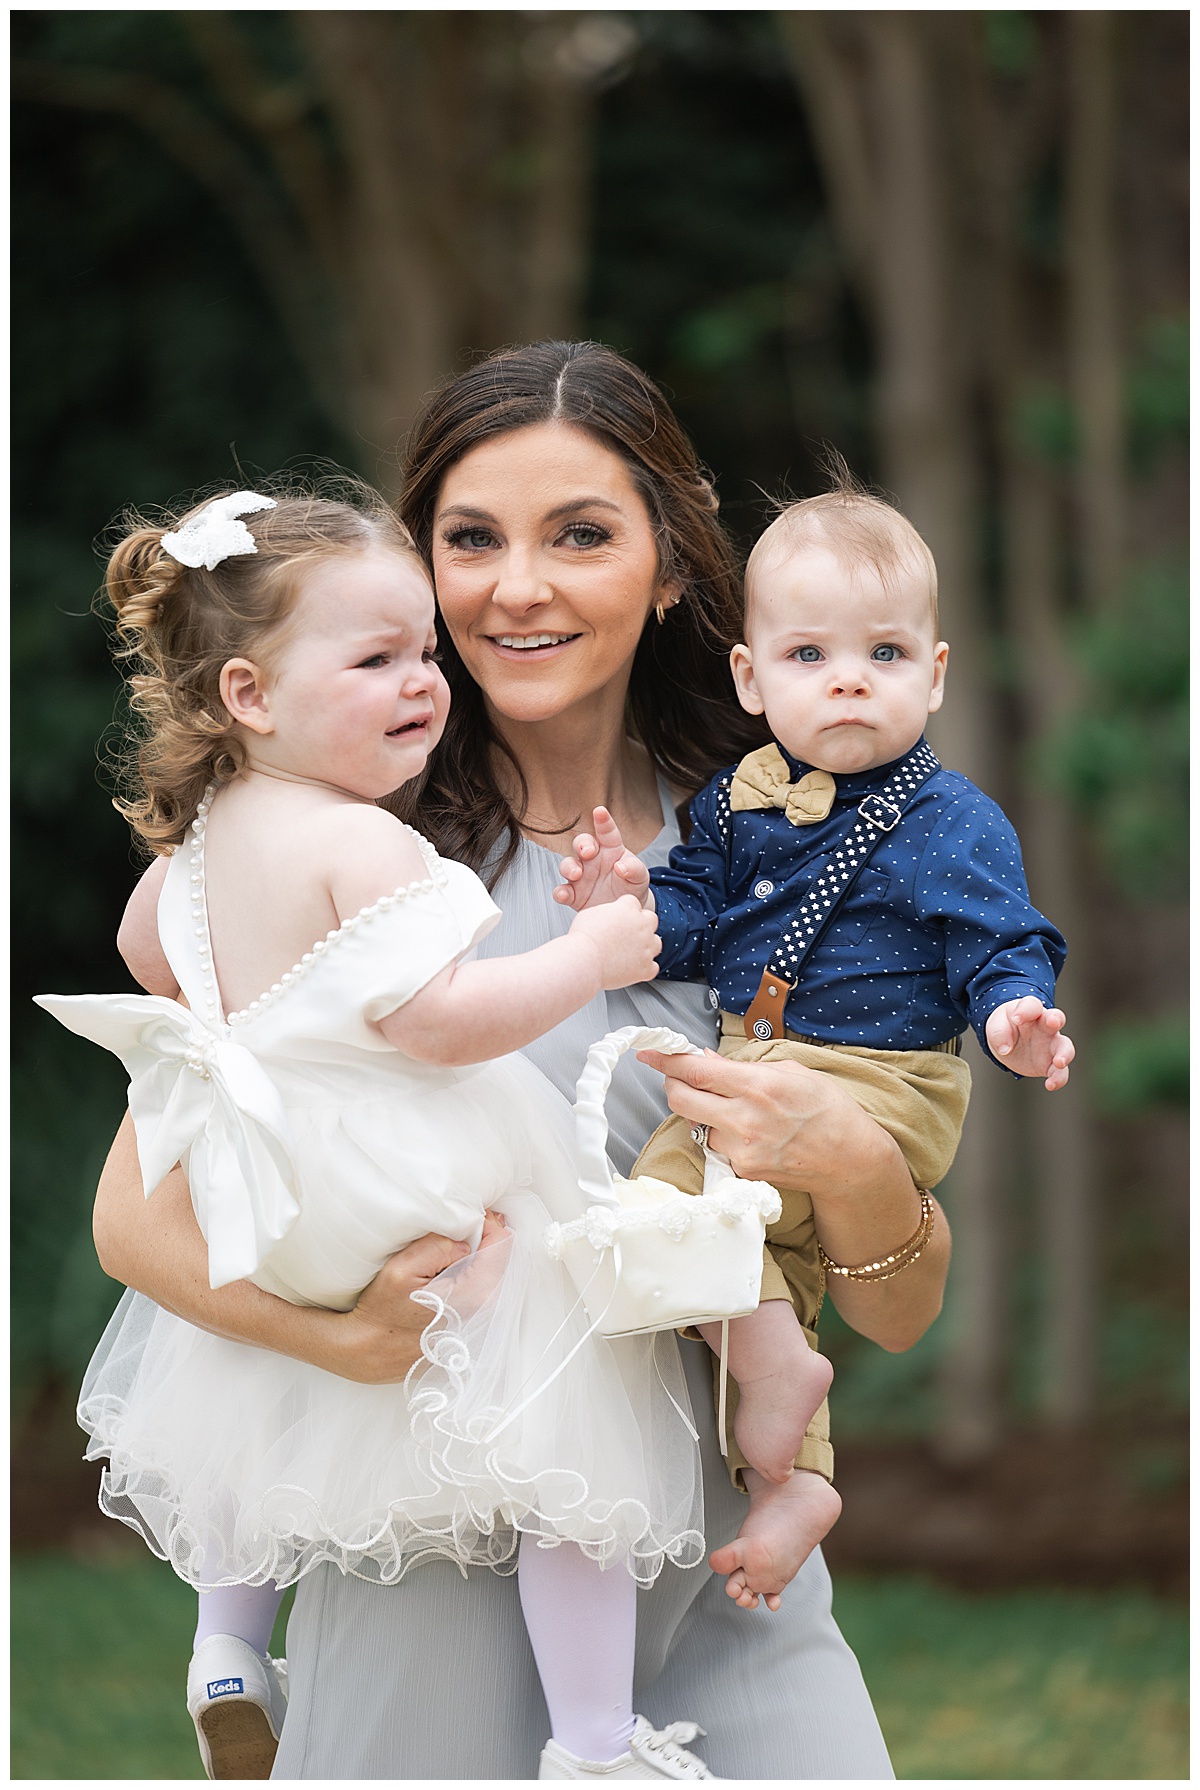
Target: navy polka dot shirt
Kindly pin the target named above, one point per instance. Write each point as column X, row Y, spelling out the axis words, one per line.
column 936, row 932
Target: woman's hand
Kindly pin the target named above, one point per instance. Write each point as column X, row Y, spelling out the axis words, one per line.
column 155, row 1245
column 381, row 1334
column 794, row 1127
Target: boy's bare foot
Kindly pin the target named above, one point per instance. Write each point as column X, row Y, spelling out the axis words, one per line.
column 782, row 1527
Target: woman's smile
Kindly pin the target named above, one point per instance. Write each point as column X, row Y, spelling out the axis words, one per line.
column 538, row 646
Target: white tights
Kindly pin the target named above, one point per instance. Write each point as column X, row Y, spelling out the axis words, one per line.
column 247, row 1611
column 580, row 1623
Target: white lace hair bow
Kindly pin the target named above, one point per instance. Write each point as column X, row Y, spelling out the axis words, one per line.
column 214, row 534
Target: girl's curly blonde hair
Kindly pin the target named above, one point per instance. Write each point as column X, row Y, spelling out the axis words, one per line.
column 177, row 626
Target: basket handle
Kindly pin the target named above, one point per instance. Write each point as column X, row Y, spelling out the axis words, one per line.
column 591, row 1120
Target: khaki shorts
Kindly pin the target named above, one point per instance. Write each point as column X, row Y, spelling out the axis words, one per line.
column 918, row 1096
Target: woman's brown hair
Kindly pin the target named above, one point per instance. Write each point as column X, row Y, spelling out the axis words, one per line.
column 681, row 702
column 177, row 625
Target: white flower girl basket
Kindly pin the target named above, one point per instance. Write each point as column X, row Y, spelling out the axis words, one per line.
column 644, row 1255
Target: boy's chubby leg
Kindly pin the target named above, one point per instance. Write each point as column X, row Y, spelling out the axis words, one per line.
column 777, row 1412
column 778, row 1417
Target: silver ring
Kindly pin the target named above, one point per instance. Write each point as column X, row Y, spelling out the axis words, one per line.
column 700, row 1136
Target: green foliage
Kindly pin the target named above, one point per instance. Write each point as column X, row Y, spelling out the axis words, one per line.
column 1158, row 393
column 1143, row 1063
column 1045, row 424
column 1145, row 1356
column 67, row 1100
column 1011, row 42
column 1124, row 758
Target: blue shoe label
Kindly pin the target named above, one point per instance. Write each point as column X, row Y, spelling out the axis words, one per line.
column 226, row 1687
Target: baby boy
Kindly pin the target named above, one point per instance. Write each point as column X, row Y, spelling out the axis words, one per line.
column 853, row 906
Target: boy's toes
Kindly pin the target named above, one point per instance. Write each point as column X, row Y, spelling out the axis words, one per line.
column 724, row 1560
column 740, row 1592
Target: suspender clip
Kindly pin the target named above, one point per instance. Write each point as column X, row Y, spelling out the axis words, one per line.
column 879, row 812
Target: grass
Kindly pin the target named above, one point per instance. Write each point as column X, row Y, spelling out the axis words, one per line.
column 1022, row 1684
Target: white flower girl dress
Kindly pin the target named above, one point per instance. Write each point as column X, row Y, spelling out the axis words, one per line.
column 314, row 1150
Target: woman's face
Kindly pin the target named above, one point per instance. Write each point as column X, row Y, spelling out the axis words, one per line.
column 546, row 568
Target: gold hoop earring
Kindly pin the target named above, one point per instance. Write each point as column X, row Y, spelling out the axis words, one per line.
column 660, row 610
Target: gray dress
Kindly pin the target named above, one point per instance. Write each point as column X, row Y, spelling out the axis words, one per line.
column 434, row 1678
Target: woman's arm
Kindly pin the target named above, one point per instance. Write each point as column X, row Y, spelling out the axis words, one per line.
column 784, row 1123
column 155, row 1246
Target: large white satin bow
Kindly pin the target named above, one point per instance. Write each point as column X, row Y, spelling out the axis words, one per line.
column 193, row 1093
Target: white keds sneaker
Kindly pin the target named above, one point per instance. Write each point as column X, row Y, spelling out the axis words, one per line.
column 653, row 1753
column 237, row 1700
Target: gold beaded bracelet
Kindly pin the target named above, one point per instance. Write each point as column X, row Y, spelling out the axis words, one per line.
column 901, row 1258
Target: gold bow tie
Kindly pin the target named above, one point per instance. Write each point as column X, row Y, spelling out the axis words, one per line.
column 763, row 780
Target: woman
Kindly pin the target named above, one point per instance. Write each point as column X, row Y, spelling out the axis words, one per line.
column 589, row 599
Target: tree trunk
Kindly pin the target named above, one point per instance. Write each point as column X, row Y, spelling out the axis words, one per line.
column 1023, row 350
column 1065, row 1168
column 1093, row 311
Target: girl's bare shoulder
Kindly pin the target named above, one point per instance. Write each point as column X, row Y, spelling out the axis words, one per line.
column 371, row 854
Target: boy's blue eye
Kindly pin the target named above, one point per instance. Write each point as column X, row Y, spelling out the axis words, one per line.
column 885, row 654
column 373, row 663
column 808, row 655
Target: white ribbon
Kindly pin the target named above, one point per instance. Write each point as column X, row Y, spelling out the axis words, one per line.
column 194, row 1094
column 205, row 540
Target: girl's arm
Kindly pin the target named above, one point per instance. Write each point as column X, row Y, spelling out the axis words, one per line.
column 155, row 1245
column 783, row 1123
column 137, row 935
column 473, row 1011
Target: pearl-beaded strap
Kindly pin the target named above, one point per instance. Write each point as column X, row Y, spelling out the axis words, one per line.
column 199, row 907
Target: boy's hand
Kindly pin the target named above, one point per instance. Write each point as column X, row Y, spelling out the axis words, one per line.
column 1029, row 1039
column 602, row 870
column 625, row 938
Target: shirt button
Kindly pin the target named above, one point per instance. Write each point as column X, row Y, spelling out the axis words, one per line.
column 714, row 999
column 764, row 888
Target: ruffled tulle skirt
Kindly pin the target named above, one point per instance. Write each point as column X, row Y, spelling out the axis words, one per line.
column 238, row 1465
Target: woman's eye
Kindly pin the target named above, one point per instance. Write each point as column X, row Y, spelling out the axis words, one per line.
column 585, row 534
column 884, row 655
column 808, row 655
column 471, row 540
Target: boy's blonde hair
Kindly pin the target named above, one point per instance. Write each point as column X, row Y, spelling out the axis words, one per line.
column 859, row 530
column 177, row 626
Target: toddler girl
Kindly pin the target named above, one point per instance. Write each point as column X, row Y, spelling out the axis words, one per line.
column 319, row 1052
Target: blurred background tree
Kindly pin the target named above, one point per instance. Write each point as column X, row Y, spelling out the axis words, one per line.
column 951, row 244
